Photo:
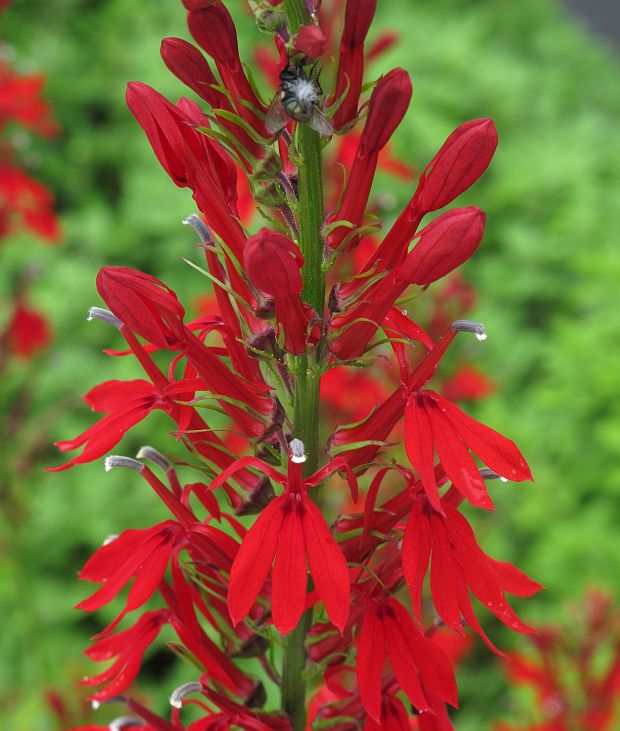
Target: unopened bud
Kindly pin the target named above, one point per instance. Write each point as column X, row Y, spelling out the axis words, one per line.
column 388, row 104
column 99, row 313
column 200, row 227
column 151, row 454
column 268, row 167
column 179, row 694
column 470, row 326
column 297, row 451
column 115, row 460
column 462, row 159
column 269, row 195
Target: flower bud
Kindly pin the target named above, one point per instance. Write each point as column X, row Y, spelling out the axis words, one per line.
column 310, row 40
column 444, row 245
column 462, row 159
column 192, row 68
column 166, row 128
column 357, row 20
column 214, row 30
column 272, row 262
column 143, row 304
column 387, row 107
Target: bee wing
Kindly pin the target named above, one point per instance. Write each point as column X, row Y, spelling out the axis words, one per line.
column 276, row 117
column 320, row 123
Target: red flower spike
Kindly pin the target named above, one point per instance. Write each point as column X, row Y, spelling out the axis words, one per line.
column 462, row 159
column 388, row 104
column 388, row 633
column 289, row 529
column 310, row 40
column 458, row 565
column 357, row 20
column 273, row 264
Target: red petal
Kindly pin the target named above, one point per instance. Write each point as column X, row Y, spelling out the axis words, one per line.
column 403, row 661
column 115, row 395
column 514, row 580
column 433, row 665
column 419, row 447
column 328, row 566
column 445, row 576
column 369, row 663
column 253, row 561
column 458, row 463
column 290, row 576
column 496, row 451
column 415, row 554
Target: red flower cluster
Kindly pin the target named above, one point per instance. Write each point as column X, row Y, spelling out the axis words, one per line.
column 334, row 590
column 575, row 674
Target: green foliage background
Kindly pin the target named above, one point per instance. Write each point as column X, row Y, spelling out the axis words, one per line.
column 547, row 276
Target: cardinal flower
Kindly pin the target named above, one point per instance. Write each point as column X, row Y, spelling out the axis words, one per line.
column 458, row 565
column 432, row 424
column 388, row 633
column 292, row 530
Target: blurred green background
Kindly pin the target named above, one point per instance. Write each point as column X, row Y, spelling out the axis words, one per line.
column 547, row 276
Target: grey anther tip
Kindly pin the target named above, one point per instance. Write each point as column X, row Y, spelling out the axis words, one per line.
column 470, row 326
column 129, row 463
column 151, row 454
column 179, row 694
column 99, row 313
column 200, row 227
column 488, row 474
column 298, row 454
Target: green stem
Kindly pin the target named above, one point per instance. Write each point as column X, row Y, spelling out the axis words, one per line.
column 307, row 378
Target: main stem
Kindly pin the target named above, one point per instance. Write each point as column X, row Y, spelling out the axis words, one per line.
column 307, row 378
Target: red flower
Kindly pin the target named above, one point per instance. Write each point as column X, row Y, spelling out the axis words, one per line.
column 458, row 566
column 273, row 263
column 144, row 555
column 432, row 424
column 128, row 647
column 26, row 203
column 388, row 633
column 357, row 20
column 28, row 332
column 291, row 529
column 147, row 306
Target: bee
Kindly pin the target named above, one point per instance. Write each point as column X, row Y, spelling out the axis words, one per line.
column 298, row 98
